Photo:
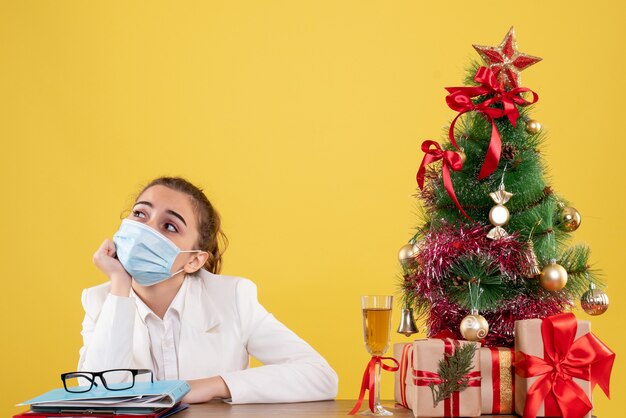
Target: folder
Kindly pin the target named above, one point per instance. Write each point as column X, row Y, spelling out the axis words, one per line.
column 88, row 413
column 143, row 397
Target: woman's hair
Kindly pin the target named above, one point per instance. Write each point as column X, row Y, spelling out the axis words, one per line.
column 212, row 239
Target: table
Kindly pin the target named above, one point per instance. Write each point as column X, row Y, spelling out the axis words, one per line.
column 324, row 409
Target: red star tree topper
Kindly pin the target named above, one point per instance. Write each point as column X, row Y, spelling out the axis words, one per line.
column 505, row 60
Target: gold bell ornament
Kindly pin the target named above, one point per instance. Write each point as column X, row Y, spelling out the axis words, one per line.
column 533, row 269
column 499, row 214
column 594, row 301
column 553, row 276
column 407, row 322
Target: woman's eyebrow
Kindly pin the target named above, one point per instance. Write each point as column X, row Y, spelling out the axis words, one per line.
column 143, row 202
column 171, row 212
column 177, row 215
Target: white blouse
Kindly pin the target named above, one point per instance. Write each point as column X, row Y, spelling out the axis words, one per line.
column 221, row 323
column 164, row 334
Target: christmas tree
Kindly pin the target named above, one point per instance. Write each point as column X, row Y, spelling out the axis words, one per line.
column 494, row 243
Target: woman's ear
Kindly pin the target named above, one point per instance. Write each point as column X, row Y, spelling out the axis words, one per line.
column 196, row 262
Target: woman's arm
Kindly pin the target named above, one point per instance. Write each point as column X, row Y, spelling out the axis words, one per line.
column 203, row 390
column 107, row 330
column 109, row 316
column 292, row 372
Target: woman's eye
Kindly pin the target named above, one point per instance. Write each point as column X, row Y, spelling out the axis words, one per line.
column 138, row 214
column 170, row 227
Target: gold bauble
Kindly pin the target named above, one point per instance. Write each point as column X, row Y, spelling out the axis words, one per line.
column 406, row 253
column 569, row 219
column 462, row 155
column 594, row 301
column 499, row 215
column 533, row 126
column 474, row 327
column 553, row 276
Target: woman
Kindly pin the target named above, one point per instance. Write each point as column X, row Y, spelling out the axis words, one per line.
column 166, row 308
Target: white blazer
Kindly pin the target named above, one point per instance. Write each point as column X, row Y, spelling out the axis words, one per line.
column 222, row 323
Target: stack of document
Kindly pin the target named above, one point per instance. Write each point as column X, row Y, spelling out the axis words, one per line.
column 159, row 399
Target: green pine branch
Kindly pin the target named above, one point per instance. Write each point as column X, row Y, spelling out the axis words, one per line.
column 575, row 260
column 483, row 274
column 453, row 370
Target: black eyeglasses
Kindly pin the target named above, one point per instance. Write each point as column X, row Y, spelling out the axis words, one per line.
column 114, row 379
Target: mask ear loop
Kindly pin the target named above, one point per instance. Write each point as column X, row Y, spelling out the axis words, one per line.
column 175, row 273
column 185, row 251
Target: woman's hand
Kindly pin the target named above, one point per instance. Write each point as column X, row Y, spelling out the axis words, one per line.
column 104, row 259
column 203, row 390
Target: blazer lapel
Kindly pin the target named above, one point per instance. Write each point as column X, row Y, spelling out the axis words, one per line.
column 199, row 312
column 199, row 343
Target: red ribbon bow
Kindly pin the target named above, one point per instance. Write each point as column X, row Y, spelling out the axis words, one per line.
column 450, row 159
column 426, row 378
column 460, row 99
column 586, row 358
column 369, row 379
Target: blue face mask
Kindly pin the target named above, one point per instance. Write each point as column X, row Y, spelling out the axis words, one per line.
column 145, row 254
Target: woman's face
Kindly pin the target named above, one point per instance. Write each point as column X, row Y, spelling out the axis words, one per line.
column 171, row 213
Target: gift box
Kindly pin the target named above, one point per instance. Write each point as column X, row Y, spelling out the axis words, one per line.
column 497, row 383
column 419, row 369
column 557, row 363
column 403, row 354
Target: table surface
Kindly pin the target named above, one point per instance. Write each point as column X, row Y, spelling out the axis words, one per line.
column 338, row 408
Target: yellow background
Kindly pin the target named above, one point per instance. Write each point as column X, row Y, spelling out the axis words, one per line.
column 302, row 120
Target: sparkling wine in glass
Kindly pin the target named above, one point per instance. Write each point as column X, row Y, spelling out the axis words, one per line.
column 376, row 333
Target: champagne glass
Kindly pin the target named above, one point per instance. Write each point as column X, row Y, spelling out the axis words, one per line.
column 376, row 333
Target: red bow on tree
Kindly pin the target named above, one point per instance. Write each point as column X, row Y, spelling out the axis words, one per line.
column 450, row 159
column 460, row 99
column 586, row 358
